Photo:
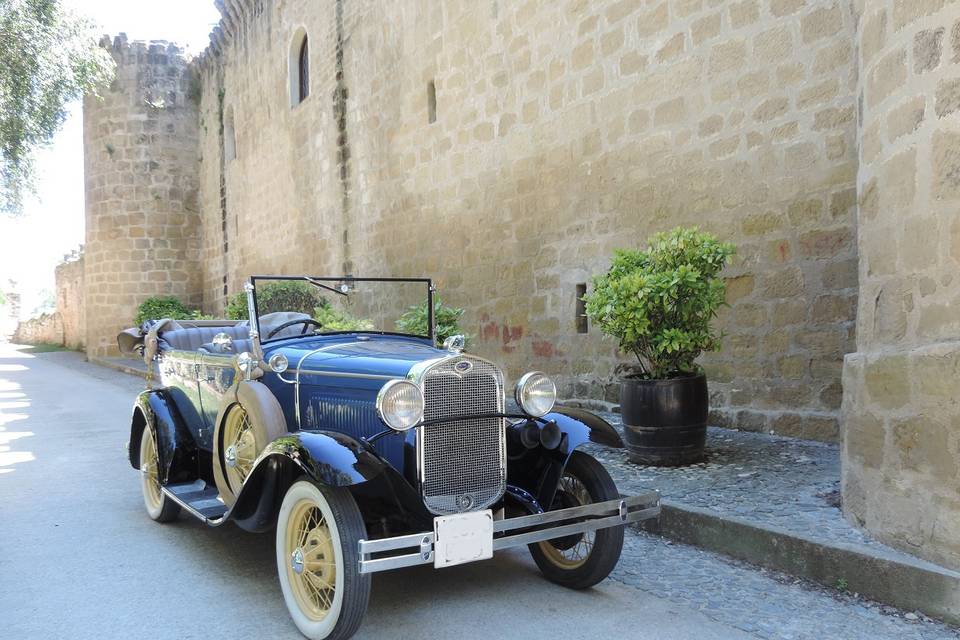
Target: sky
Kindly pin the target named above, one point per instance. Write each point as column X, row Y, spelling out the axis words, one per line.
column 52, row 224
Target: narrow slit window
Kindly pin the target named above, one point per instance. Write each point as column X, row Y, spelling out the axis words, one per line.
column 431, row 102
column 229, row 137
column 303, row 65
column 581, row 309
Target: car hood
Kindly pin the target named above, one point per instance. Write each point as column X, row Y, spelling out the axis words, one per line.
column 378, row 356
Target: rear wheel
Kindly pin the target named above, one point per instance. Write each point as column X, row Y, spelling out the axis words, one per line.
column 318, row 560
column 581, row 560
column 159, row 507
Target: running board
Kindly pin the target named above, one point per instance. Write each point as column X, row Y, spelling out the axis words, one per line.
column 198, row 499
column 513, row 532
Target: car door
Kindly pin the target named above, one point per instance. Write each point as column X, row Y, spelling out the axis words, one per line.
column 217, row 373
column 178, row 372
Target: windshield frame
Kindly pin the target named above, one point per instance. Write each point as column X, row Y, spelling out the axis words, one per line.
column 323, row 280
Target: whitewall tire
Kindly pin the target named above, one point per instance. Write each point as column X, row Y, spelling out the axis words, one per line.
column 318, row 560
column 159, row 507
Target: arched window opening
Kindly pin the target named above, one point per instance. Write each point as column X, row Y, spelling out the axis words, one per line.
column 304, row 66
column 299, row 67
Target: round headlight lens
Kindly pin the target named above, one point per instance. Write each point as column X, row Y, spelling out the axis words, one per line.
column 536, row 394
column 278, row 363
column 400, row 404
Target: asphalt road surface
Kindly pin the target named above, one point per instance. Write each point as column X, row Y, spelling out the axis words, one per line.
column 79, row 558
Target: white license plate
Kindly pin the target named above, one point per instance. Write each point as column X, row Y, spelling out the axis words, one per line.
column 462, row 537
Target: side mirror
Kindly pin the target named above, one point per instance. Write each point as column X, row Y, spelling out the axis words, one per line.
column 223, row 342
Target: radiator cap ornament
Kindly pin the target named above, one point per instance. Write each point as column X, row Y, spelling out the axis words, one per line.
column 455, row 344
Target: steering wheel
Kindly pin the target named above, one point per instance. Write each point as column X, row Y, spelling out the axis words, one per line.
column 289, row 323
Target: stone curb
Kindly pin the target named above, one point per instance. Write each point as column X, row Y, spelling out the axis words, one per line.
column 116, row 366
column 899, row 580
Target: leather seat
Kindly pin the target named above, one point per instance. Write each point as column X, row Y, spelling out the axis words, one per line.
column 201, row 338
column 195, row 338
column 236, row 346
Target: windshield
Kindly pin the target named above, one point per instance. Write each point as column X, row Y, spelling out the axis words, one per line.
column 294, row 306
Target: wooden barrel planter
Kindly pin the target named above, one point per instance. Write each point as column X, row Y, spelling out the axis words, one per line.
column 665, row 421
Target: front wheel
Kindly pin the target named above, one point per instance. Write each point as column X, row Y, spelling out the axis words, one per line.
column 581, row 560
column 159, row 507
column 318, row 560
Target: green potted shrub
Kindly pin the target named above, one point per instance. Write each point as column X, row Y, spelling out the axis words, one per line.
column 659, row 304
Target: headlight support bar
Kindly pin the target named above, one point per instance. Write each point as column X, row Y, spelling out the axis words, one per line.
column 469, row 416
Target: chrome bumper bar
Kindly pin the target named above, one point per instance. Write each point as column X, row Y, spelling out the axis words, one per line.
column 417, row 548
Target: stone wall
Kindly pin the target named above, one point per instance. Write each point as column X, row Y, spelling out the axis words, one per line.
column 559, row 131
column 140, row 161
column 65, row 325
column 44, row 329
column 70, row 304
column 901, row 406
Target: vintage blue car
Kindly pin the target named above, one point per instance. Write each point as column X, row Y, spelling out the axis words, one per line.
column 366, row 446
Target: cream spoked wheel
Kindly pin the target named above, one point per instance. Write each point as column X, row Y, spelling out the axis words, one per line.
column 240, row 446
column 312, row 569
column 159, row 507
column 570, row 552
column 581, row 560
column 317, row 560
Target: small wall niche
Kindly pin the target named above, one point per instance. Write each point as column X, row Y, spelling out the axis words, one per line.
column 431, row 102
column 581, row 309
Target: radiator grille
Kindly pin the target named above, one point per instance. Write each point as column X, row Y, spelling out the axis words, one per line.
column 462, row 462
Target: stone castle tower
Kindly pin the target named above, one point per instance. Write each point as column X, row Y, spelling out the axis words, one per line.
column 140, row 162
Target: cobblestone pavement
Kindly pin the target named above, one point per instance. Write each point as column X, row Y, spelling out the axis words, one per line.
column 772, row 480
column 763, row 603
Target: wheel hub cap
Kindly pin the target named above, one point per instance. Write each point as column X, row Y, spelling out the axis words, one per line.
column 231, row 456
column 296, row 561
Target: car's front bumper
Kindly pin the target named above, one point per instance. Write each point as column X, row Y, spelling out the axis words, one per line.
column 418, row 548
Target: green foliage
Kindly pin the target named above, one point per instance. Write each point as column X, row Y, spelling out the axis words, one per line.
column 236, row 308
column 282, row 295
column 159, row 307
column 842, row 584
column 416, row 320
column 45, row 347
column 659, row 303
column 48, row 58
column 334, row 320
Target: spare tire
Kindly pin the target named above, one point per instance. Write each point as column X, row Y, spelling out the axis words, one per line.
column 244, row 427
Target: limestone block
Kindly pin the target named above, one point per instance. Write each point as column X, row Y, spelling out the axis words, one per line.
column 927, row 49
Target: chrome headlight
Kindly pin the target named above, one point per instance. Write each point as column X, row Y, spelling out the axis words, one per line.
column 536, row 394
column 278, row 363
column 400, row 404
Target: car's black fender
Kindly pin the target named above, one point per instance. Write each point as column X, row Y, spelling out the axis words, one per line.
column 537, row 469
column 176, row 447
column 327, row 457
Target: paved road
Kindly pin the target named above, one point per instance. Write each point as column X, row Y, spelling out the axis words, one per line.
column 80, row 559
